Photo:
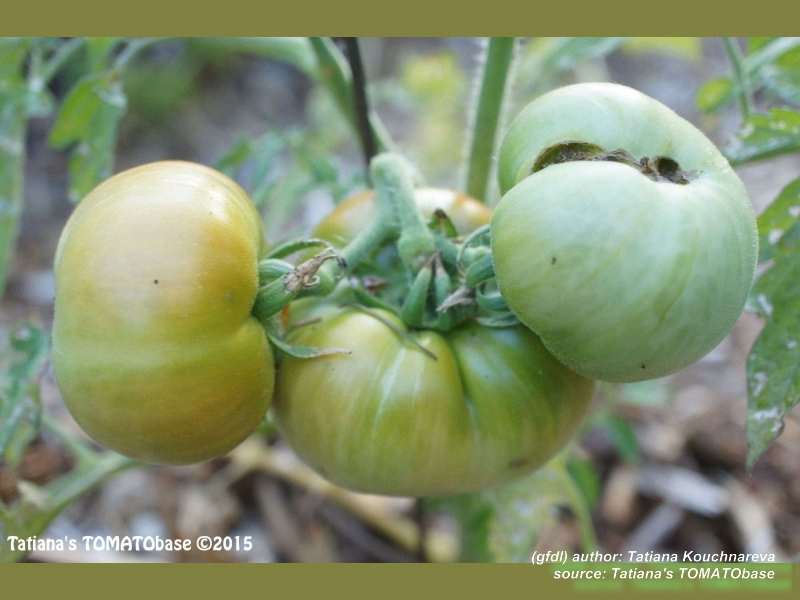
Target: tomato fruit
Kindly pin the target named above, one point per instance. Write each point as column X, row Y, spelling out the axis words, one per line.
column 391, row 419
column 354, row 214
column 155, row 350
column 624, row 239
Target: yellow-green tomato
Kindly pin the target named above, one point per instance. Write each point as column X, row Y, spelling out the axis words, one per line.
column 624, row 239
column 417, row 413
column 354, row 214
column 155, row 350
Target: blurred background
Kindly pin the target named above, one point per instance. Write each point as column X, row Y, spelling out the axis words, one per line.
column 659, row 466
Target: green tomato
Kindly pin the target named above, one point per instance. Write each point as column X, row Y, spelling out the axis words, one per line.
column 633, row 257
column 417, row 413
column 155, row 350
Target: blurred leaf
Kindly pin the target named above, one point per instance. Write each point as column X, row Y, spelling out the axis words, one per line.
column 715, row 94
column 503, row 524
column 780, row 220
column 624, row 438
column 13, row 119
column 296, row 51
column 279, row 169
column 585, row 475
column 770, row 63
column 98, row 51
column 40, row 100
column 763, row 136
column 773, row 372
column 559, row 54
column 756, row 43
column 768, row 53
column 689, row 48
column 37, row 506
column 782, row 77
column 88, row 120
column 432, row 91
column 157, row 90
column 22, row 356
column 773, row 367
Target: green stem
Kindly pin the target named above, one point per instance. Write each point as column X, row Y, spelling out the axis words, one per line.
column 735, row 57
column 25, row 519
column 488, row 111
column 130, row 51
column 62, row 54
column 334, row 73
column 13, row 125
column 305, row 278
column 394, row 184
column 583, row 514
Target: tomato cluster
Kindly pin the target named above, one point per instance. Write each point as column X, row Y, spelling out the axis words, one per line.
column 623, row 248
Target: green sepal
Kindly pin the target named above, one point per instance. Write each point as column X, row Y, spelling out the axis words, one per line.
column 413, row 310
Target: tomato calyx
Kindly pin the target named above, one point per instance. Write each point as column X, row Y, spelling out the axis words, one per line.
column 281, row 282
column 657, row 168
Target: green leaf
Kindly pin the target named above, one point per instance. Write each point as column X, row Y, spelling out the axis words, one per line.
column 22, row 356
column 782, row 77
column 768, row 53
column 763, row 136
column 13, row 119
column 503, row 524
column 88, row 121
column 773, row 366
column 37, row 506
column 757, row 42
column 715, row 94
column 99, row 50
column 230, row 162
column 624, row 437
column 561, row 53
column 780, row 219
column 295, row 51
column 586, row 478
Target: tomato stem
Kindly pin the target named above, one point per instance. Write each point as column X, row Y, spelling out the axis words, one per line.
column 394, row 185
column 306, row 277
column 488, row 112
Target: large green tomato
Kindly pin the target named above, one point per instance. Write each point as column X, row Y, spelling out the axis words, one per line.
column 624, row 239
column 391, row 419
column 155, row 350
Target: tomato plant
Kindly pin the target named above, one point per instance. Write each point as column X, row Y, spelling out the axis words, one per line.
column 412, row 411
column 424, row 346
column 418, row 413
column 624, row 238
column 155, row 349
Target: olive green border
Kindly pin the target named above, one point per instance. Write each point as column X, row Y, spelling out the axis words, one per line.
column 407, row 18
column 384, row 582
column 346, row 17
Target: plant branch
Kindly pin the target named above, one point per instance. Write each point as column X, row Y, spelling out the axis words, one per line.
column 334, row 74
column 487, row 115
column 360, row 102
column 736, row 59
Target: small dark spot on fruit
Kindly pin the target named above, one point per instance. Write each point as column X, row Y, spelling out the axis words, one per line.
column 155, row 281
column 643, row 366
column 517, row 463
column 553, row 261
